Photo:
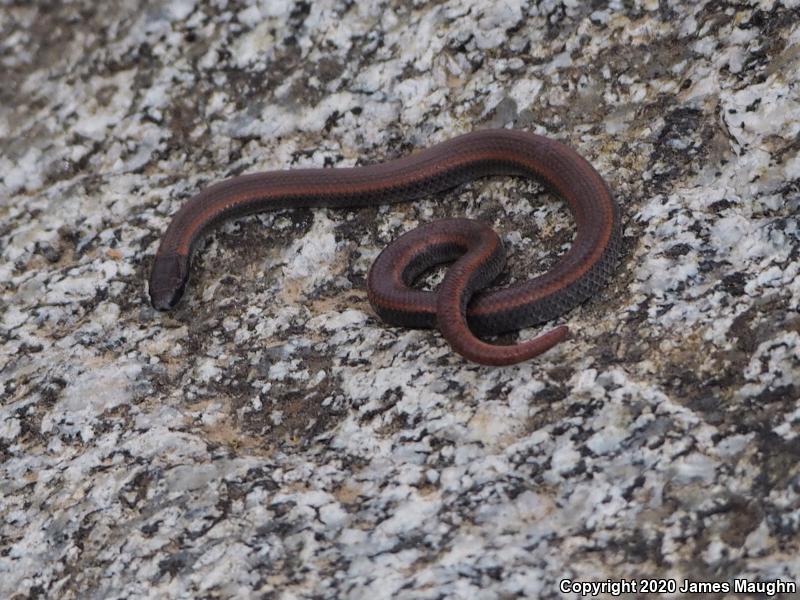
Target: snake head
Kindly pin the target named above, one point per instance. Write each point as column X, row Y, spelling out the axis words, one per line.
column 168, row 280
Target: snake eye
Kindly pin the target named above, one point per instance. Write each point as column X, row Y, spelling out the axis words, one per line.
column 165, row 298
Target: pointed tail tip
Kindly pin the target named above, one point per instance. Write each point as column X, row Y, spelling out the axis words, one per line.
column 504, row 356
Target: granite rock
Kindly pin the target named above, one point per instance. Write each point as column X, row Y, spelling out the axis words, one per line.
column 271, row 437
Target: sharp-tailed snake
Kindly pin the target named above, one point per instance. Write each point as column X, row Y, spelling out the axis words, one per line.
column 457, row 308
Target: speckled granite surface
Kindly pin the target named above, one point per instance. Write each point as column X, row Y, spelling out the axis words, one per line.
column 273, row 439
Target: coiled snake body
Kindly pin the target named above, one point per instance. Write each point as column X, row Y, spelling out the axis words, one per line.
column 457, row 308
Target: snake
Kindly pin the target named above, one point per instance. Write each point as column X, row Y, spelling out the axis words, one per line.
column 463, row 307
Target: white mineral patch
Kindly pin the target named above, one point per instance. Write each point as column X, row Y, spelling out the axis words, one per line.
column 89, row 395
column 694, row 467
column 9, row 429
column 178, row 10
column 565, row 457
